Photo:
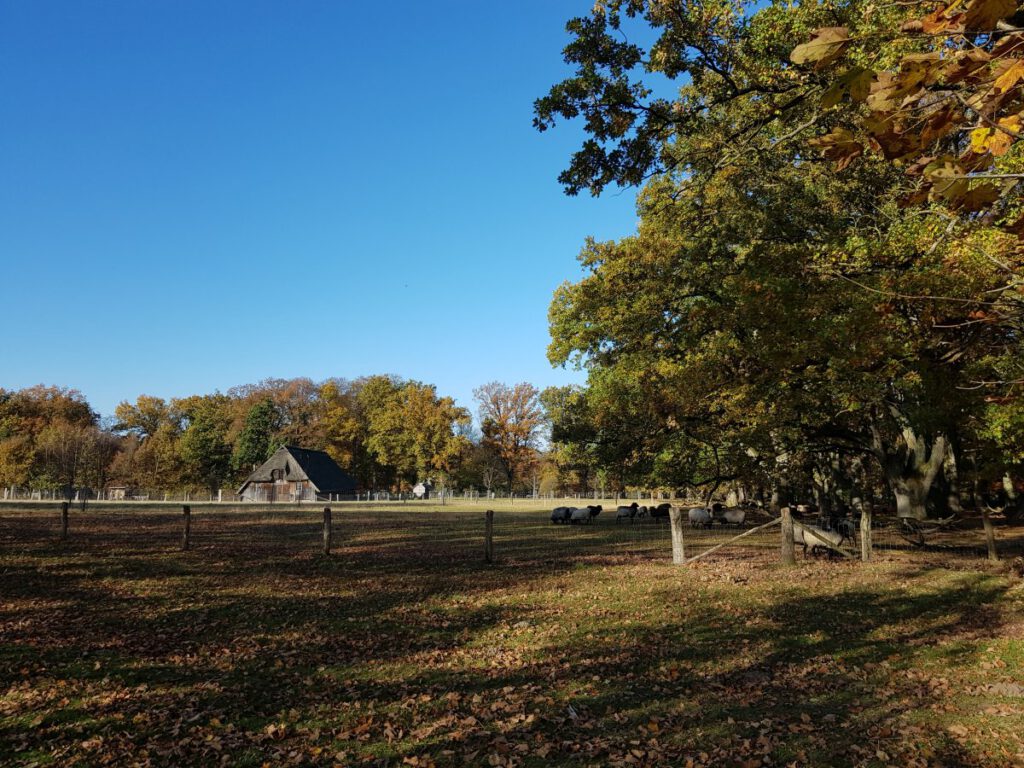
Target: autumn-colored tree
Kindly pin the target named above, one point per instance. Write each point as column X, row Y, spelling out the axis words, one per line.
column 411, row 430
column 511, row 420
column 149, row 457
column 17, row 455
column 939, row 92
column 49, row 438
column 143, row 417
column 345, row 429
column 769, row 304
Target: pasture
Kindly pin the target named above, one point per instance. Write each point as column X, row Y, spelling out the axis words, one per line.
column 581, row 646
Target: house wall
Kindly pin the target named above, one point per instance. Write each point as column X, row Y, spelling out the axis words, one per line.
column 279, row 491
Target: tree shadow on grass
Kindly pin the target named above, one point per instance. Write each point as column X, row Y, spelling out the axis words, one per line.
column 395, row 652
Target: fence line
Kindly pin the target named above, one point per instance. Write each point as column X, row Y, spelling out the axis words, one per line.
column 733, row 540
column 456, row 536
column 523, row 536
column 229, row 495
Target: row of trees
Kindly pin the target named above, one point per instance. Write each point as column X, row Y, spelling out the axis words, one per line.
column 824, row 293
column 387, row 432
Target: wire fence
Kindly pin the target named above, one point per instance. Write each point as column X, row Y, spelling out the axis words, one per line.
column 396, row 536
column 230, row 496
column 960, row 538
column 393, row 535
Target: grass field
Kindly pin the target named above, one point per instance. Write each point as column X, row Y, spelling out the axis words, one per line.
column 579, row 647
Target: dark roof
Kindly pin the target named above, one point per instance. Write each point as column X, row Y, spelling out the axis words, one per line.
column 304, row 464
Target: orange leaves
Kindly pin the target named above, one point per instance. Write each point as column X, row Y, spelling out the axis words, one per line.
column 840, row 146
column 957, row 17
column 998, row 139
column 983, row 15
column 967, row 66
column 888, row 138
column 825, row 46
column 940, row 20
column 1009, row 78
column 948, row 181
column 960, row 89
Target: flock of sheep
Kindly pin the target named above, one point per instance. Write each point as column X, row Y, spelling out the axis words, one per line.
column 828, row 534
column 634, row 511
column 575, row 515
column 705, row 517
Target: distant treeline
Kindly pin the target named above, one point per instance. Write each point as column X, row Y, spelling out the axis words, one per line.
column 387, row 432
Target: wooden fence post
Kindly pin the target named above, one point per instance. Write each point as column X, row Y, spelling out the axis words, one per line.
column 675, row 517
column 327, row 531
column 64, row 520
column 788, row 547
column 990, row 535
column 865, row 532
column 489, row 536
column 186, row 530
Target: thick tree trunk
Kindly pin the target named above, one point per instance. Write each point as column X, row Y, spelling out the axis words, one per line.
column 911, row 494
column 779, row 499
column 1008, row 487
column 911, row 465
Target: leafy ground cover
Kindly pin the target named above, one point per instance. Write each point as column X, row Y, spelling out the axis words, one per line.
column 403, row 648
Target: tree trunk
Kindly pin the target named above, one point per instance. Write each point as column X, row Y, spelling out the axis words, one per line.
column 911, row 465
column 779, row 499
column 951, row 474
column 911, row 494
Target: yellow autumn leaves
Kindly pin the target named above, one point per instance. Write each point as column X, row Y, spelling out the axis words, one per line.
column 997, row 139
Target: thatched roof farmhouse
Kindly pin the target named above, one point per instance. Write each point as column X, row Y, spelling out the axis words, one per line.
column 297, row 474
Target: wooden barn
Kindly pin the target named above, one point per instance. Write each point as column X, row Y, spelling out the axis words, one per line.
column 297, row 474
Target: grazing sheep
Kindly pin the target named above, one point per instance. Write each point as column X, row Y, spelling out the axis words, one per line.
column 561, row 515
column 662, row 510
column 735, row 516
column 838, row 522
column 716, row 510
column 846, row 527
column 627, row 512
column 803, row 510
column 817, row 538
column 699, row 517
column 580, row 515
column 595, row 510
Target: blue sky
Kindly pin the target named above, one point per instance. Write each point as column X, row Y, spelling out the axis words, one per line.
column 195, row 195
